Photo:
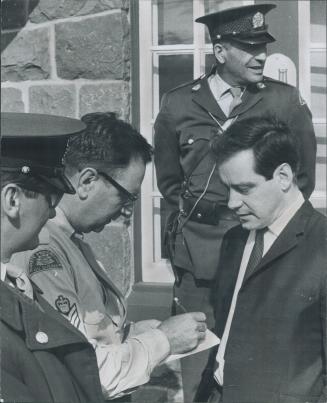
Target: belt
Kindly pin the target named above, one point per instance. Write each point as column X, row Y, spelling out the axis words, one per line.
column 205, row 212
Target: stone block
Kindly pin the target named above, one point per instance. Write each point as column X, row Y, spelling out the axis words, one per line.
column 27, row 56
column 11, row 100
column 113, row 248
column 53, row 99
column 111, row 97
column 94, row 48
column 48, row 10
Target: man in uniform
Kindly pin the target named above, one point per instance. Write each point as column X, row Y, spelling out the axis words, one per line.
column 106, row 165
column 270, row 293
column 43, row 357
column 187, row 176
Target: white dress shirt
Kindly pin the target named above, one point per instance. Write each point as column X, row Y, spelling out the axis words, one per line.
column 274, row 230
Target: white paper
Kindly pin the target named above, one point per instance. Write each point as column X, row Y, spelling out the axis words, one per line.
column 209, row 341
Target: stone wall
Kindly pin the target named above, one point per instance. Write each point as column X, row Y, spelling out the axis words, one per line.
column 71, row 57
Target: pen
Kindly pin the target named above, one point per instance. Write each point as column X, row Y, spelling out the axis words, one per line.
column 176, row 300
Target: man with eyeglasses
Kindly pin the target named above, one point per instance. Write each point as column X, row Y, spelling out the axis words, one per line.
column 106, row 165
column 43, row 357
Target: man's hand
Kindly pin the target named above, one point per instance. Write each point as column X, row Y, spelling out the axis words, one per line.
column 185, row 331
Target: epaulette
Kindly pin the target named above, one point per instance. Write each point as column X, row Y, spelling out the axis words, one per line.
column 272, row 80
column 188, row 83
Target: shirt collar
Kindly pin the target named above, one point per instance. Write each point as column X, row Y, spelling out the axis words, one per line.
column 280, row 223
column 221, row 87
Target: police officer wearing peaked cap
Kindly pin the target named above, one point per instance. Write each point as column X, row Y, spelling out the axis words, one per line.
column 43, row 357
column 33, row 145
column 190, row 117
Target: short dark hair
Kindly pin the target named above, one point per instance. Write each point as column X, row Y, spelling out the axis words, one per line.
column 271, row 141
column 107, row 142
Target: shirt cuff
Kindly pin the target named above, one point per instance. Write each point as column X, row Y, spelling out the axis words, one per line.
column 156, row 343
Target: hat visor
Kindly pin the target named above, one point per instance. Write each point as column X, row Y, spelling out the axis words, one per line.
column 59, row 183
column 255, row 38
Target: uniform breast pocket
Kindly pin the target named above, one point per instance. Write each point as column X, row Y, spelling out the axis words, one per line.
column 195, row 146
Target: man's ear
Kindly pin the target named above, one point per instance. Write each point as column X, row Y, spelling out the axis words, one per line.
column 285, row 176
column 219, row 52
column 85, row 182
column 11, row 200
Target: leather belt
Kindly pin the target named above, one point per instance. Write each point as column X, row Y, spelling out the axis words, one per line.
column 205, row 212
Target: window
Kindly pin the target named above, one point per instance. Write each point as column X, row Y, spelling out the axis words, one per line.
column 173, row 50
column 312, row 82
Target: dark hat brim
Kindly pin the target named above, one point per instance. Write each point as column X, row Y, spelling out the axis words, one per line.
column 259, row 39
column 60, row 183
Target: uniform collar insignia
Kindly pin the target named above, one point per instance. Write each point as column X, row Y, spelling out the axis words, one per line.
column 196, row 87
column 261, row 85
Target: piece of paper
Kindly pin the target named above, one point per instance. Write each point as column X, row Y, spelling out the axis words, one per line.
column 209, row 341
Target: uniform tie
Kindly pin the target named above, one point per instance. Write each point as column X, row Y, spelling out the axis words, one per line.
column 236, row 93
column 116, row 311
column 19, row 279
column 257, row 252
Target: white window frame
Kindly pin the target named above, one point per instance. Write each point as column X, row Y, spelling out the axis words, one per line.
column 318, row 198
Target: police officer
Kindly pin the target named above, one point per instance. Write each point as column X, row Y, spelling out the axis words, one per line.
column 43, row 357
column 191, row 115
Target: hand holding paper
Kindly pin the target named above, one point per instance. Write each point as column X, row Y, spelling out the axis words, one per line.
column 209, row 341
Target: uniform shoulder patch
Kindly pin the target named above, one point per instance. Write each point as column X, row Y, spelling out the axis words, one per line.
column 43, row 260
column 65, row 307
column 186, row 84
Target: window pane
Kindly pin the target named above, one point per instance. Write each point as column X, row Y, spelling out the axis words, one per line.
column 174, row 70
column 318, row 84
column 318, row 20
column 175, row 22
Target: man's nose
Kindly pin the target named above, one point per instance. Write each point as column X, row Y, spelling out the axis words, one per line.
column 127, row 210
column 261, row 54
column 234, row 201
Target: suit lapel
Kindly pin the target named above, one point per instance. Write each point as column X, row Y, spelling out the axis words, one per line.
column 288, row 239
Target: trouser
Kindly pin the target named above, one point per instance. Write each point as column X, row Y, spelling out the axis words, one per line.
column 194, row 295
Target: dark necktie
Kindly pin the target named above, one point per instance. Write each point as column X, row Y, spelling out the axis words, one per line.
column 257, row 252
column 236, row 93
column 99, row 272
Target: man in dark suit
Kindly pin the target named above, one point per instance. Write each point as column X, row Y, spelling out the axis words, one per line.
column 190, row 117
column 270, row 294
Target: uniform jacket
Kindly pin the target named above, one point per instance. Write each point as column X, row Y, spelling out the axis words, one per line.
column 43, row 357
column 183, row 131
column 277, row 346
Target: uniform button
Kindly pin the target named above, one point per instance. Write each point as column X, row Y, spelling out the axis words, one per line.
column 190, row 141
column 41, row 337
column 199, row 215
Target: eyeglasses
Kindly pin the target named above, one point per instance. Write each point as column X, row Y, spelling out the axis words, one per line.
column 128, row 195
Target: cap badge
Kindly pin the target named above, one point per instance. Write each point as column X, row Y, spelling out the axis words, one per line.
column 25, row 169
column 258, row 20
